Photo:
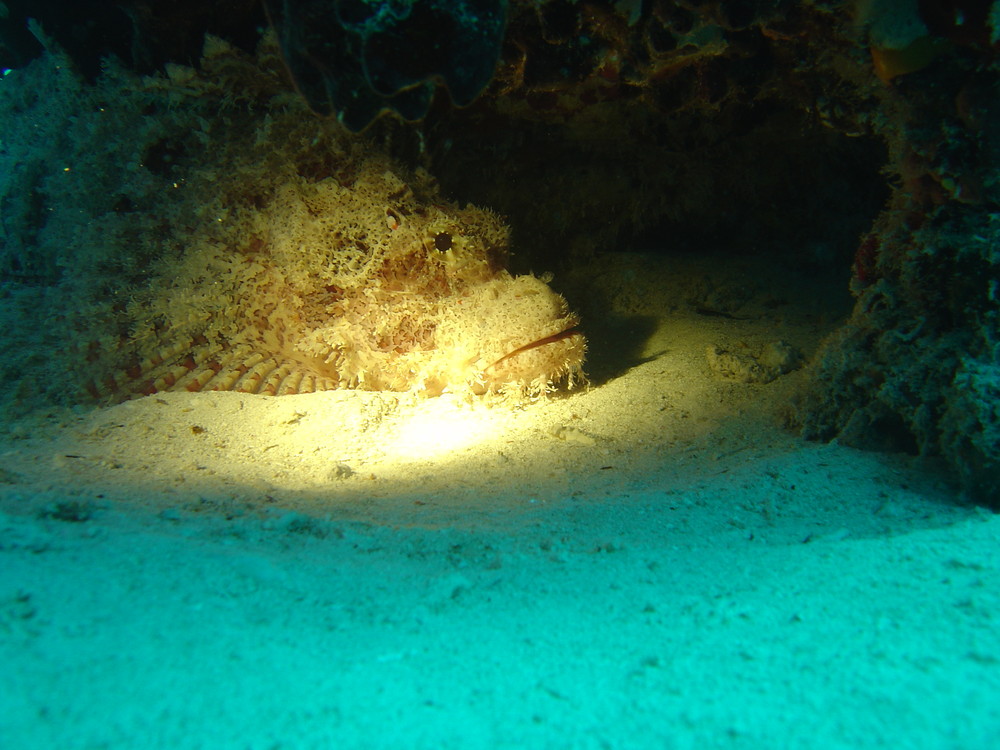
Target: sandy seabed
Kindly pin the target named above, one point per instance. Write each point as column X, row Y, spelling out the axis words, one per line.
column 653, row 561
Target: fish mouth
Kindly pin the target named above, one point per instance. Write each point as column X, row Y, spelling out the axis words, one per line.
column 566, row 333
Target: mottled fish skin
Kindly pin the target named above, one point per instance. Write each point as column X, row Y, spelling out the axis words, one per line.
column 211, row 233
column 360, row 286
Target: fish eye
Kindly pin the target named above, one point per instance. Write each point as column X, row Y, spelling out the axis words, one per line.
column 442, row 242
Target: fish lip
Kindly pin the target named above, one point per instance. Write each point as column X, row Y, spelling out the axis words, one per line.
column 565, row 333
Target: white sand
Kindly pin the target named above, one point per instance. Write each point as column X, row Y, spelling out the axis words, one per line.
column 653, row 562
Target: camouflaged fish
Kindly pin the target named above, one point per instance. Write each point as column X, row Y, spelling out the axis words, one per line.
column 201, row 229
column 348, row 286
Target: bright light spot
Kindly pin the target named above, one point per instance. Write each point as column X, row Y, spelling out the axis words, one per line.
column 437, row 428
